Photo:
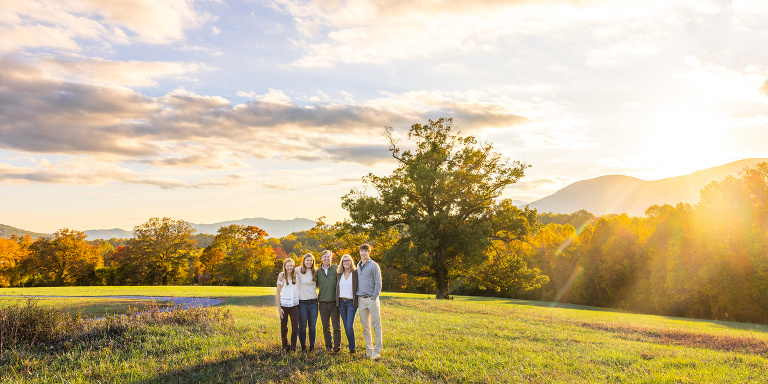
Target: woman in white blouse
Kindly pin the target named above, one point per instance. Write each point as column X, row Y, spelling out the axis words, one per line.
column 287, row 301
column 346, row 299
column 307, row 278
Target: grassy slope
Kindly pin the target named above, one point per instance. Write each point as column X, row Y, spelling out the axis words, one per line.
column 464, row 340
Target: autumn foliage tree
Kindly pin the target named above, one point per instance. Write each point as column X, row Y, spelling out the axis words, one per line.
column 239, row 255
column 12, row 252
column 64, row 259
column 443, row 197
column 160, row 250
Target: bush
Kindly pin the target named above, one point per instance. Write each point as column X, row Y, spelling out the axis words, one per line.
column 31, row 324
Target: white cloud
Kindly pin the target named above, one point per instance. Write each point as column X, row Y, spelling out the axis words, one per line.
column 619, row 53
column 280, row 186
column 60, row 24
column 100, row 71
column 380, row 31
column 717, row 83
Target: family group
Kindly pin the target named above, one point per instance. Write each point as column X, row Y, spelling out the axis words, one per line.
column 336, row 292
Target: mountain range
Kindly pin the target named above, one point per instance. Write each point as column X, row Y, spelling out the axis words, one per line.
column 624, row 194
column 275, row 228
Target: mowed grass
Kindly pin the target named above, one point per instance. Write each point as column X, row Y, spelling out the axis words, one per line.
column 469, row 339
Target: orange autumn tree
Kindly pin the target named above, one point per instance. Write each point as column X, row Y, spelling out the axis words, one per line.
column 65, row 259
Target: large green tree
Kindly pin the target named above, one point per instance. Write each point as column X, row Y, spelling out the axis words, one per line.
column 161, row 249
column 444, row 198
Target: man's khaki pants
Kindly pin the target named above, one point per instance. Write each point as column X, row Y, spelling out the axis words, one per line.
column 370, row 318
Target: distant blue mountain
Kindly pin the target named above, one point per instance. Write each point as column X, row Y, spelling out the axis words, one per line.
column 275, row 228
column 105, row 234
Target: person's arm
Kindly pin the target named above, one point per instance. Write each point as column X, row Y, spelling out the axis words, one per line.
column 277, row 299
column 376, row 281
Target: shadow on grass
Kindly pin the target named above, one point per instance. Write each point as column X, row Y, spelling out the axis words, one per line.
column 761, row 328
column 747, row 345
column 272, row 365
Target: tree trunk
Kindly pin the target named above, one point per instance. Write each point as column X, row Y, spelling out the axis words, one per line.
column 441, row 282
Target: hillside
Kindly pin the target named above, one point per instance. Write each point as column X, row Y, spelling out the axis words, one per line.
column 6, row 231
column 625, row 194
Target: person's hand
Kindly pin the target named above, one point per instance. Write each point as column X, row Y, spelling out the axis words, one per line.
column 280, row 278
column 280, row 311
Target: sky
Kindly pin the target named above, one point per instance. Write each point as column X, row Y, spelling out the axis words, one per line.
column 115, row 112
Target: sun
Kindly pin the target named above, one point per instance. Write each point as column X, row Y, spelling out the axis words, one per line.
column 685, row 140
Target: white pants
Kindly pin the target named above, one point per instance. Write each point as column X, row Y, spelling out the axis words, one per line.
column 370, row 317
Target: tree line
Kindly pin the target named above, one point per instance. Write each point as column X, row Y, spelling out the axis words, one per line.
column 708, row 260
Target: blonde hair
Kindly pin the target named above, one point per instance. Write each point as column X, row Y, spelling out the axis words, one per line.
column 340, row 269
column 293, row 272
column 314, row 266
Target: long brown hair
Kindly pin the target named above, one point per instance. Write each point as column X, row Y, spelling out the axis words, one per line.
column 293, row 273
column 314, row 266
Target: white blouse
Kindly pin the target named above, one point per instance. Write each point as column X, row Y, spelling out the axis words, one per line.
column 289, row 294
column 307, row 287
column 345, row 287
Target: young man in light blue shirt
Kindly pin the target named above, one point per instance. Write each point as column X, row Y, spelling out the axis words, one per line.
column 368, row 290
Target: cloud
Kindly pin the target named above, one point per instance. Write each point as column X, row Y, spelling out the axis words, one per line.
column 381, row 31
column 227, row 181
column 280, row 186
column 619, row 53
column 100, row 71
column 541, row 183
column 216, row 160
column 764, row 88
column 40, row 113
column 81, row 171
column 363, row 154
column 61, row 24
column 344, row 180
column 718, row 83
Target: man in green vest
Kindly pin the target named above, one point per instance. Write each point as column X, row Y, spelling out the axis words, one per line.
column 326, row 297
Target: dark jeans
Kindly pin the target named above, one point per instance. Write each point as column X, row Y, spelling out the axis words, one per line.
column 348, row 310
column 329, row 311
column 307, row 317
column 293, row 314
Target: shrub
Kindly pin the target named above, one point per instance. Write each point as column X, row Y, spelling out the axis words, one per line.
column 31, row 325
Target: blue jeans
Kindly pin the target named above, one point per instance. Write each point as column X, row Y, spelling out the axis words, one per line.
column 307, row 316
column 348, row 310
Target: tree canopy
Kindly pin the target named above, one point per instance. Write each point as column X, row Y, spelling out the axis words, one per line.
column 161, row 248
column 444, row 198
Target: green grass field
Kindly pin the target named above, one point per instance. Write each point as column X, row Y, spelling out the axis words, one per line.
column 469, row 339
